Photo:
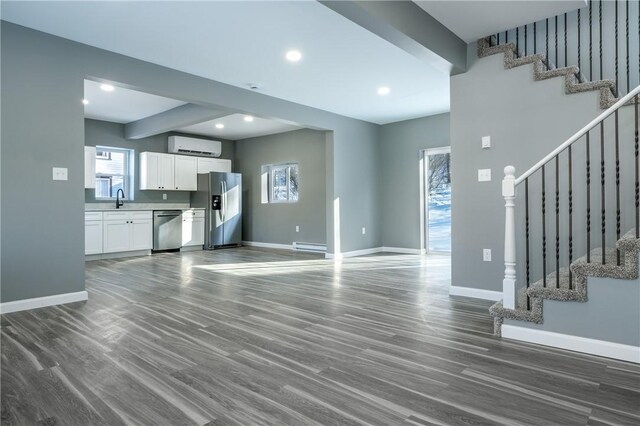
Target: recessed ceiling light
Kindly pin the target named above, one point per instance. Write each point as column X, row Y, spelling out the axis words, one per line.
column 293, row 55
column 85, row 102
column 219, row 126
column 248, row 118
column 107, row 87
column 384, row 90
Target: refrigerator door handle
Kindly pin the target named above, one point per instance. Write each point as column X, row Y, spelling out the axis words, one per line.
column 224, row 197
column 221, row 211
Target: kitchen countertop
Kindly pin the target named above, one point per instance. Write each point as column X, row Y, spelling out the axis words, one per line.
column 111, row 206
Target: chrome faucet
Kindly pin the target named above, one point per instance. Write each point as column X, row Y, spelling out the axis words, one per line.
column 118, row 202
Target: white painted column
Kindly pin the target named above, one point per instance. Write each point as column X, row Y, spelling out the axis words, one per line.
column 509, row 282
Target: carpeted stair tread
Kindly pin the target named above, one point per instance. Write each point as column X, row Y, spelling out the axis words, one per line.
column 542, row 70
column 629, row 247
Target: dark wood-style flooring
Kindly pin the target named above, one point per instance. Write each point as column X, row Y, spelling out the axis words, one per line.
column 255, row 337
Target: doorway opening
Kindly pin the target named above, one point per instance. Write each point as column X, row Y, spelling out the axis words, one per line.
column 436, row 207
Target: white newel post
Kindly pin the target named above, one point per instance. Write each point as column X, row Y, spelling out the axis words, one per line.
column 509, row 282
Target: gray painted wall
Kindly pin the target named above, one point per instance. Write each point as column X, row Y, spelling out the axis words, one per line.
column 105, row 133
column 400, row 146
column 526, row 120
column 42, row 127
column 596, row 319
column 276, row 222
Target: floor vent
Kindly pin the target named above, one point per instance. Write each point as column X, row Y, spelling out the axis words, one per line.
column 312, row 247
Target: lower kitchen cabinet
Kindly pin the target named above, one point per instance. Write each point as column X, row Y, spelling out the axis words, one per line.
column 127, row 231
column 193, row 228
column 93, row 233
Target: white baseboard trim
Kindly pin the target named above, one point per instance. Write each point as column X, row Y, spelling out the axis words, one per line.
column 573, row 343
column 41, row 302
column 403, row 250
column 268, row 245
column 363, row 252
column 476, row 293
column 117, row 255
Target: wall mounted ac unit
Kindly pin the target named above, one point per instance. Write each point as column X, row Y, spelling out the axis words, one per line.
column 193, row 146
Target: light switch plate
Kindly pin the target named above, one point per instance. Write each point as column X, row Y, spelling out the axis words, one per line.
column 486, row 142
column 364, row 230
column 297, row 228
column 484, row 175
column 60, row 173
column 486, row 255
column 164, row 196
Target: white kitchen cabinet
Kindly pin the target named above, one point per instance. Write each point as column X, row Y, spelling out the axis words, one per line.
column 89, row 167
column 192, row 228
column 185, row 173
column 127, row 231
column 206, row 165
column 141, row 232
column 92, row 232
column 157, row 171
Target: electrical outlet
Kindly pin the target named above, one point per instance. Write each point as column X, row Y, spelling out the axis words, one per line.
column 484, row 175
column 486, row 255
column 60, row 173
column 364, row 230
column 297, row 228
column 164, row 196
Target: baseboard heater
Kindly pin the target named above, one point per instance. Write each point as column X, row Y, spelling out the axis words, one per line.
column 311, row 247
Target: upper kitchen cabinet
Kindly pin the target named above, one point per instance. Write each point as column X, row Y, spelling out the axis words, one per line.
column 185, row 173
column 206, row 165
column 89, row 167
column 157, row 171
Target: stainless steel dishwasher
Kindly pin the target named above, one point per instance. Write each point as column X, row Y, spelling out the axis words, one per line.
column 167, row 229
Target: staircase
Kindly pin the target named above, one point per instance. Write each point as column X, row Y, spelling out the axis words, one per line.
column 605, row 176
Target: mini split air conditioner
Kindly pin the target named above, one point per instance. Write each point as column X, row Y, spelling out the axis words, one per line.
column 193, row 146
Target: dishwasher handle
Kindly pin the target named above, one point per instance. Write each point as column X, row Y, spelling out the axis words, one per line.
column 167, row 215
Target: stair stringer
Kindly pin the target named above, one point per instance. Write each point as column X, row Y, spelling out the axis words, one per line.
column 541, row 71
column 629, row 247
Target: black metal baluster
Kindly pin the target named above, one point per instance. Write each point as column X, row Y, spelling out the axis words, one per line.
column 535, row 38
column 546, row 38
column 579, row 53
column 600, row 38
column 617, row 187
column 518, row 42
column 590, row 41
column 588, row 200
column 602, row 193
column 637, row 172
column 556, row 40
column 627, row 44
column 498, row 39
column 526, row 207
column 616, row 48
column 544, row 231
column 506, row 37
column 526, row 51
column 570, row 217
column 566, row 60
column 557, row 221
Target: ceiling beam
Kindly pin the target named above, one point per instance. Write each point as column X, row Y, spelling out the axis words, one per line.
column 176, row 118
column 406, row 25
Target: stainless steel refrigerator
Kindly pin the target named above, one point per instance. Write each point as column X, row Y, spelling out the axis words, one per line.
column 220, row 194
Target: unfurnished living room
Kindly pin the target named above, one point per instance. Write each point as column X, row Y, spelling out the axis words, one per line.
column 320, row 212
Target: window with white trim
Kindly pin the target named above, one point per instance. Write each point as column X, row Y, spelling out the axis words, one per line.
column 280, row 183
column 114, row 170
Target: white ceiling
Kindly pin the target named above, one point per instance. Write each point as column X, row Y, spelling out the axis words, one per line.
column 236, row 128
column 473, row 19
column 245, row 42
column 123, row 105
